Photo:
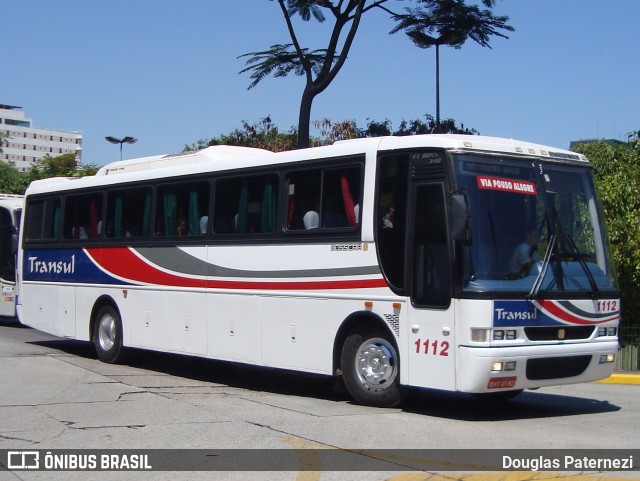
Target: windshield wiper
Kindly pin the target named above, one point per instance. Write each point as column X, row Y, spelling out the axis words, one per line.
column 583, row 264
column 558, row 271
column 535, row 289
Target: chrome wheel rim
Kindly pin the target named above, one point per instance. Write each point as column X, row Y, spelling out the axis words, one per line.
column 376, row 364
column 107, row 332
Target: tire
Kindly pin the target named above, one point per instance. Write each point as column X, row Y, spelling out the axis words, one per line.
column 107, row 335
column 371, row 368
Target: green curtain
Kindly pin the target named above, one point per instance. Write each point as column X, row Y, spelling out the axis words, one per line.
column 243, row 209
column 170, row 211
column 268, row 219
column 194, row 217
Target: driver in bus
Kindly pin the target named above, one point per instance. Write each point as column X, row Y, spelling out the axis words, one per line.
column 524, row 255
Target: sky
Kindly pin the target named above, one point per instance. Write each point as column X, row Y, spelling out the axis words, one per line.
column 167, row 72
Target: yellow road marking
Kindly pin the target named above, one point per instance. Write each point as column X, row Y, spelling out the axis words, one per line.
column 307, row 457
column 621, row 379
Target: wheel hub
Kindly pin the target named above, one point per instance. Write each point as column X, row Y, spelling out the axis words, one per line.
column 107, row 332
column 376, row 364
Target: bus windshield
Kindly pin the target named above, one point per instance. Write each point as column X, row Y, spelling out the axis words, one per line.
column 535, row 228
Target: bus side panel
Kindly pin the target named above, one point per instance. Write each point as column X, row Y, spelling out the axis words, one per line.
column 46, row 303
column 67, row 310
column 144, row 317
column 234, row 327
column 186, row 322
column 298, row 333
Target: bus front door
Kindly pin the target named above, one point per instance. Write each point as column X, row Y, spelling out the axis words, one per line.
column 431, row 331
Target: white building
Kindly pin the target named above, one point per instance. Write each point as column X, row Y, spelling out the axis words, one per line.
column 23, row 144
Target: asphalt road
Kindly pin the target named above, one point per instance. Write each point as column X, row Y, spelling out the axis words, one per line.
column 55, row 395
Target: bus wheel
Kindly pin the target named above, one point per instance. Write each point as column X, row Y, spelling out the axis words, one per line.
column 370, row 369
column 107, row 335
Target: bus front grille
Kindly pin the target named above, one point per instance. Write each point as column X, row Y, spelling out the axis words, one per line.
column 557, row 367
column 558, row 333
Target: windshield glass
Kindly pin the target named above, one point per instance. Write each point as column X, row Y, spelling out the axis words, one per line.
column 535, row 228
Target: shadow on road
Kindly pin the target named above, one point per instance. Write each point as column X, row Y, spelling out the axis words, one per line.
column 465, row 407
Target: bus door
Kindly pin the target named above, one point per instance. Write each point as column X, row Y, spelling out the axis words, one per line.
column 431, row 331
column 8, row 247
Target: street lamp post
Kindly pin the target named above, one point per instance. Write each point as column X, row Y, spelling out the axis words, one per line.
column 124, row 140
column 423, row 40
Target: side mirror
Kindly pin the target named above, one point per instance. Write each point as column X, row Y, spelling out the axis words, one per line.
column 459, row 215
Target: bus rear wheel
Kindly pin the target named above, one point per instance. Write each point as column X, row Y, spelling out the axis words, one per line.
column 370, row 368
column 107, row 335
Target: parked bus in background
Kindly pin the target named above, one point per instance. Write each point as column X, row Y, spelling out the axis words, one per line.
column 460, row 263
column 10, row 213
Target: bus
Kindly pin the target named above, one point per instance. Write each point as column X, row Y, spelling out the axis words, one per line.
column 385, row 261
column 10, row 212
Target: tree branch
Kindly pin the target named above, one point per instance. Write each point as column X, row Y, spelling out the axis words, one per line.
column 308, row 68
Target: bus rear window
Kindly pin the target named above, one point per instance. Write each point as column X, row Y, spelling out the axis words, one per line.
column 43, row 220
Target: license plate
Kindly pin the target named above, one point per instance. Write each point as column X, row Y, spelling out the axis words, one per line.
column 502, row 382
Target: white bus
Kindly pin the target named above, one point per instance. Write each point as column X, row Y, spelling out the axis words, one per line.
column 388, row 261
column 10, row 212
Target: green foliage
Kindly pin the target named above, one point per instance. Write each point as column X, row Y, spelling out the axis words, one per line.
column 60, row 166
column 280, row 60
column 450, row 22
column 12, row 181
column 264, row 134
column 617, row 172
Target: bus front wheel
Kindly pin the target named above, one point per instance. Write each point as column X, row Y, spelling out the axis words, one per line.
column 107, row 335
column 370, row 368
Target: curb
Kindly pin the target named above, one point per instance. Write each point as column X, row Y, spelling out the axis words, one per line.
column 618, row 378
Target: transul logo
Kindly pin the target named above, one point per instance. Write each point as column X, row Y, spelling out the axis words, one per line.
column 502, row 314
column 36, row 266
column 516, row 313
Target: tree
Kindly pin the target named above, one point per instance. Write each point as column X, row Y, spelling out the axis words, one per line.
column 617, row 173
column 321, row 66
column 61, row 166
column 264, row 134
column 12, row 181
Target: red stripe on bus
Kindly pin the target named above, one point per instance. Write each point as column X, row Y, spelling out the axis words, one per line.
column 122, row 262
column 554, row 309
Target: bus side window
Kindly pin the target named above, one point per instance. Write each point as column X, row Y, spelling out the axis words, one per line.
column 391, row 216
column 303, row 205
column 182, row 209
column 128, row 213
column 431, row 266
column 325, row 199
column 82, row 215
column 246, row 205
